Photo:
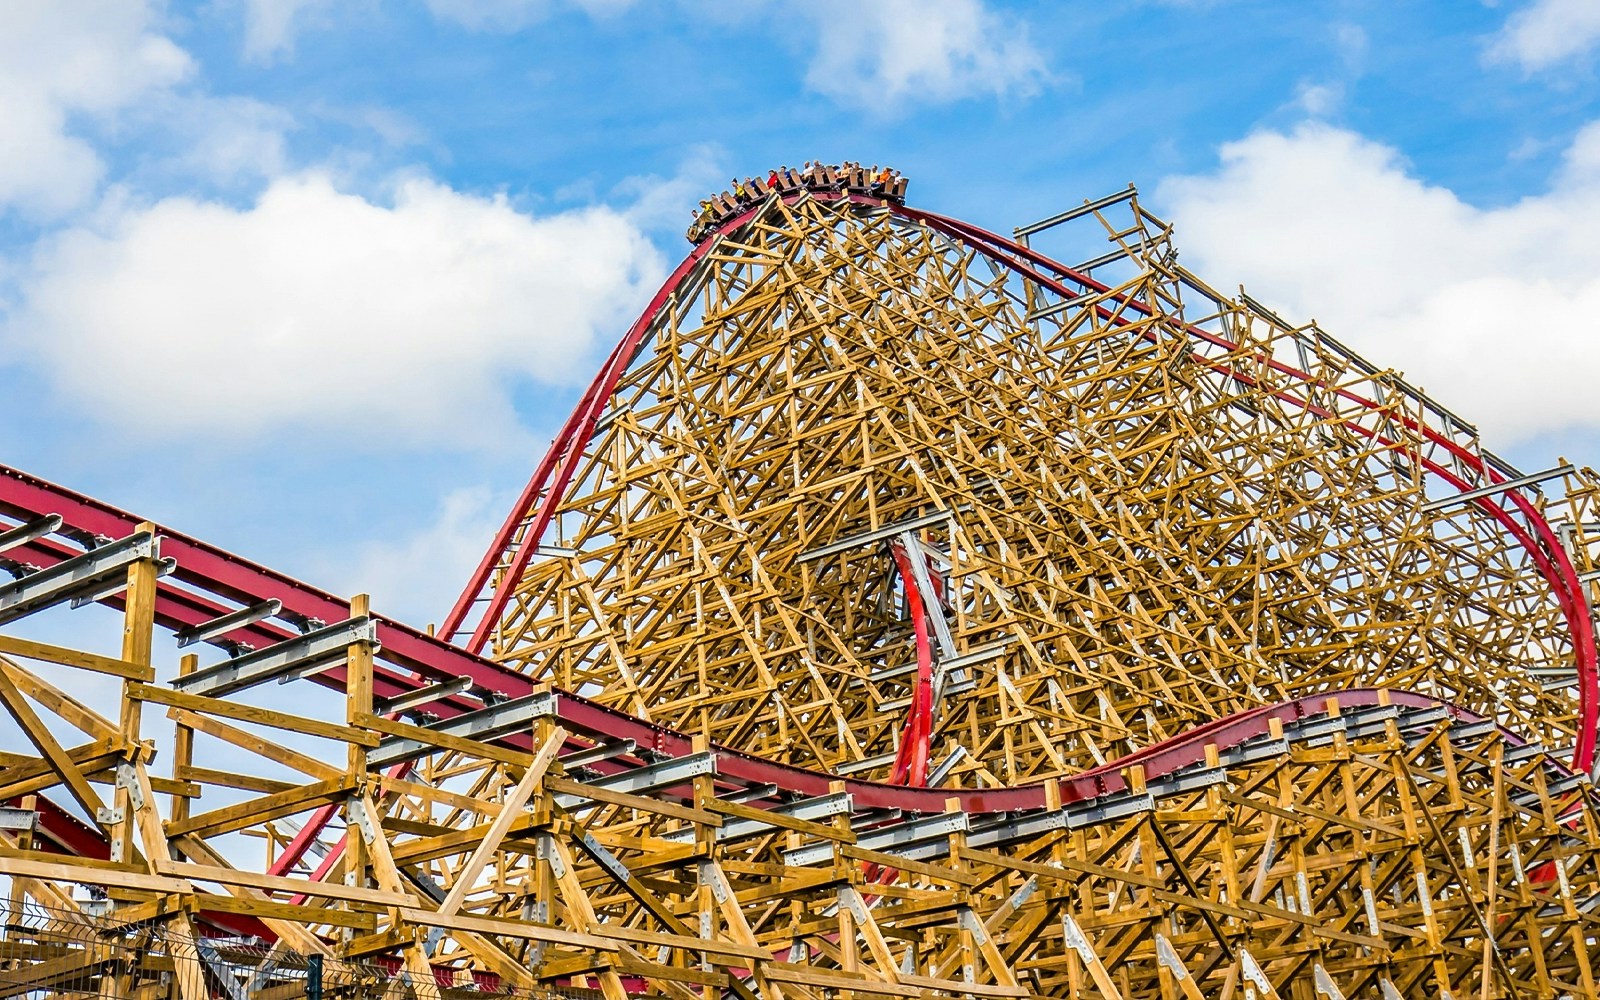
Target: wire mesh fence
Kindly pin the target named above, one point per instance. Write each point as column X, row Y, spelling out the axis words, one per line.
column 52, row 952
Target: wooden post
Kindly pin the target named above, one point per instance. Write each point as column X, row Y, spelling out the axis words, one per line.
column 358, row 702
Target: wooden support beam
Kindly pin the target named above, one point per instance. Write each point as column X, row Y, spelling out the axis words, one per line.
column 510, row 809
column 202, row 705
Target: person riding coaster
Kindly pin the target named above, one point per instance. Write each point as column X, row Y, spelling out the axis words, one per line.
column 848, row 178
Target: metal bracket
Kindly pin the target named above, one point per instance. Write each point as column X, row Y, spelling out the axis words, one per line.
column 224, row 624
column 1108, row 808
column 594, row 755
column 1191, row 779
column 1489, row 491
column 1324, row 983
column 80, row 576
column 882, row 534
column 18, row 820
column 643, row 780
column 303, row 654
column 812, row 810
column 547, row 852
column 426, row 695
column 1024, row 893
column 219, row 969
column 1251, row 971
column 1075, row 939
column 117, row 584
column 358, row 813
column 128, row 777
column 31, row 531
column 605, row 859
column 1251, row 751
column 1168, row 958
column 912, row 839
column 489, row 723
column 710, row 875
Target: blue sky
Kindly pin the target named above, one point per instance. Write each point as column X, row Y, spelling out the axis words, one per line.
column 317, row 279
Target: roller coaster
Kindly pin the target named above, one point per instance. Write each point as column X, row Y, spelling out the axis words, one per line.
column 901, row 613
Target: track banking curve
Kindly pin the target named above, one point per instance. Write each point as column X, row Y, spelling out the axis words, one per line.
column 416, row 660
column 211, row 579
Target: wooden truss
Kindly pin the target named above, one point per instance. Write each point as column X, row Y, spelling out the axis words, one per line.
column 1241, row 692
column 1146, row 506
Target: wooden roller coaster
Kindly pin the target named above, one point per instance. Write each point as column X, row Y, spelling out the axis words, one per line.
column 901, row 613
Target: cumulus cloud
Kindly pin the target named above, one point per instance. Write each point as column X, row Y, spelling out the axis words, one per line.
column 270, row 26
column 513, row 15
column 658, row 203
column 876, row 55
column 417, row 577
column 404, row 324
column 59, row 63
column 226, row 139
column 1320, row 100
column 1546, row 33
column 891, row 51
column 1491, row 309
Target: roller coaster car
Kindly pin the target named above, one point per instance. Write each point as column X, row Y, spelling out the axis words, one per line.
column 852, row 179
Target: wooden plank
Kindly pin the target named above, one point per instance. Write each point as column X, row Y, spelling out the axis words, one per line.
column 243, row 814
column 46, row 857
column 229, row 779
column 494, row 927
column 39, row 735
column 659, row 939
column 288, row 912
column 467, row 874
column 250, row 713
column 43, row 975
column 642, row 803
column 17, row 646
column 909, row 986
column 259, row 745
column 283, row 884
column 742, row 811
column 70, row 871
column 69, row 709
column 445, row 741
column 949, row 875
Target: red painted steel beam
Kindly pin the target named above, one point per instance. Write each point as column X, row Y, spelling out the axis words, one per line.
column 27, row 497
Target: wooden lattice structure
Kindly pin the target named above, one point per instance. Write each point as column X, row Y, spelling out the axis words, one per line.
column 902, row 614
column 1150, row 506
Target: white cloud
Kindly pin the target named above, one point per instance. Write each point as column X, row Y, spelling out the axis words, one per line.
column 388, row 326
column 270, row 26
column 878, row 55
column 60, row 62
column 1350, row 42
column 514, row 15
column 418, row 577
column 665, row 203
column 223, row 139
column 1546, row 33
column 1320, row 100
column 1492, row 310
column 890, row 51
column 1326, row 98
